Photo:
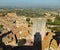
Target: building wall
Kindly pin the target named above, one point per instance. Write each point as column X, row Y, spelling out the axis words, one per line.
column 9, row 39
column 39, row 26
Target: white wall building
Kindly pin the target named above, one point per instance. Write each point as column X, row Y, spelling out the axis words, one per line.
column 39, row 26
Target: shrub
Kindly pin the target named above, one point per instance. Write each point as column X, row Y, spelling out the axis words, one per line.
column 21, row 42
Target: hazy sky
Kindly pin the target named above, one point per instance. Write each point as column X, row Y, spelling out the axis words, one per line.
column 31, row 3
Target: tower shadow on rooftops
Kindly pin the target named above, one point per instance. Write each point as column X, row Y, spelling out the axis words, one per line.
column 36, row 46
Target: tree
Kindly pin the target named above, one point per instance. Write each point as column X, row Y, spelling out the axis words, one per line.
column 58, row 18
column 21, row 42
column 49, row 21
column 28, row 19
column 4, row 14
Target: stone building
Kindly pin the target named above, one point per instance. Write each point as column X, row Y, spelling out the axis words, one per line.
column 39, row 26
column 9, row 39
